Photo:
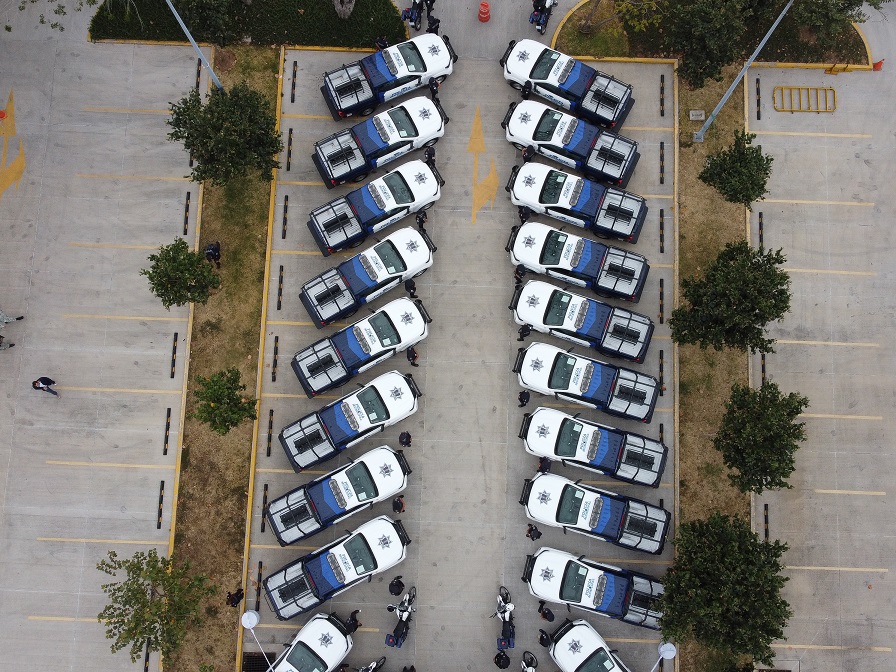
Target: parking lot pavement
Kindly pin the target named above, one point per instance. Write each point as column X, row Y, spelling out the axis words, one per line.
column 831, row 209
column 100, row 189
column 463, row 515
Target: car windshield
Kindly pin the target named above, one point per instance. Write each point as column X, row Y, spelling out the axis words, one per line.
column 384, row 330
column 544, row 64
column 362, row 482
column 390, row 257
column 553, row 185
column 555, row 313
column 599, row 661
column 570, row 503
column 360, row 555
column 373, row 405
column 303, row 658
column 573, row 582
column 568, row 441
column 412, row 58
column 403, row 122
column 546, row 125
column 553, row 248
column 401, row 192
column 562, row 371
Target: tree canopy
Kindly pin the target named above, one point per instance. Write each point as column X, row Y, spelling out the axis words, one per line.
column 154, row 604
column 178, row 275
column 724, row 588
column 707, row 33
column 759, row 436
column 740, row 172
column 741, row 292
column 220, row 403
column 231, row 134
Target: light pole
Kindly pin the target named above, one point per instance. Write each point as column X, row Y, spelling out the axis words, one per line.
column 201, row 58
column 249, row 620
column 667, row 651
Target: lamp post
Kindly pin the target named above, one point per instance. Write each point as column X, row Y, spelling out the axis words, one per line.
column 201, row 58
column 249, row 620
column 667, row 651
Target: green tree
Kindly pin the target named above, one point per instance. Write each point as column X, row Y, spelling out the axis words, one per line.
column 178, row 275
column 231, row 134
column 212, row 20
column 220, row 402
column 724, row 588
column 740, row 173
column 155, row 603
column 741, row 292
column 707, row 34
column 759, row 436
column 828, row 18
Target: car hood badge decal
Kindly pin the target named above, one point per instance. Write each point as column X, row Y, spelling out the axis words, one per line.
column 326, row 639
column 385, row 541
column 544, row 497
column 386, row 470
column 543, row 431
column 547, row 574
column 537, row 365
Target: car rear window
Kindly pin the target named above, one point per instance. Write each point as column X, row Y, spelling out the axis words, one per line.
column 384, row 330
column 544, row 64
column 390, row 257
column 360, row 555
column 570, row 503
column 553, row 248
column 562, row 371
column 373, row 405
column 546, row 125
column 403, row 122
column 568, row 441
column 553, row 186
column 555, row 313
column 362, row 482
column 412, row 58
column 573, row 582
column 401, row 192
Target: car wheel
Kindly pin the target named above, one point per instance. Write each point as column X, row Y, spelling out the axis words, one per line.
column 441, row 78
column 367, row 111
column 417, row 275
column 519, row 146
column 516, row 85
column 356, row 243
column 430, row 143
column 360, row 178
column 428, row 206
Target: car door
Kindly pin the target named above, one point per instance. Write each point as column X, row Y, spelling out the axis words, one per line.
column 399, row 87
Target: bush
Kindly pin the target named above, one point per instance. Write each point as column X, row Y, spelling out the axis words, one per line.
column 739, row 173
column 178, row 275
column 220, row 403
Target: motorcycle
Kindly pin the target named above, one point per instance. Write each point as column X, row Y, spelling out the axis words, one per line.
column 541, row 14
column 414, row 14
column 530, row 662
column 404, row 609
column 504, row 612
column 373, row 666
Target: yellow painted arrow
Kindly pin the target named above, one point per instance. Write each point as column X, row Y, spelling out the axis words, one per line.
column 487, row 189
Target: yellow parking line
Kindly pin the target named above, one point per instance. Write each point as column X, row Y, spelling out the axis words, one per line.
column 101, row 176
column 279, row 626
column 64, row 619
column 835, row 416
column 856, row 344
column 315, row 253
column 810, row 568
column 276, row 547
column 114, row 246
column 667, row 196
column 117, row 390
column 814, row 135
column 869, row 493
column 275, row 471
column 301, row 183
column 306, row 116
column 274, row 395
column 124, row 110
column 661, row 265
column 109, row 465
column 856, row 204
column 821, row 647
column 870, row 274
column 75, row 540
column 139, row 318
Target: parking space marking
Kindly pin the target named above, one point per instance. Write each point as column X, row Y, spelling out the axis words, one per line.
column 870, row 274
column 301, row 183
column 277, row 547
column 115, row 246
column 104, row 176
column 124, row 110
column 306, row 116
column 64, row 619
column 76, row 540
column 109, row 465
column 661, row 265
column 810, row 568
column 856, row 344
column 275, row 471
column 814, row 135
column 856, row 204
column 139, row 318
column 835, row 416
column 822, row 647
column 118, row 390
column 665, row 196
column 869, row 493
column 313, row 253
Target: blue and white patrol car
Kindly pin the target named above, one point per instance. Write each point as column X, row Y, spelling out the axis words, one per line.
column 321, row 644
column 577, row 647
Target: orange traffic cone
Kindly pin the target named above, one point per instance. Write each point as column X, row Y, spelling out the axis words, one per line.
column 484, row 12
column 879, row 65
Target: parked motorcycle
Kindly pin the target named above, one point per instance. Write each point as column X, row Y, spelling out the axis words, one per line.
column 373, row 666
column 403, row 609
column 541, row 13
column 504, row 612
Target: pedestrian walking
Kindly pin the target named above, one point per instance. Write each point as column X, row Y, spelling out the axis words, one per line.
column 412, row 356
column 4, row 318
column 524, row 331
column 533, row 532
column 352, row 623
column 544, row 465
column 398, row 504
column 396, row 586
column 404, row 439
column 43, row 383
column 432, row 24
column 502, row 660
column 234, row 599
column 421, row 220
column 546, row 614
column 213, row 253
column 544, row 638
column 524, row 397
column 411, row 288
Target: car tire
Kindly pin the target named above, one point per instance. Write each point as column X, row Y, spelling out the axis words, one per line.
column 366, row 112
column 519, row 146
column 515, row 85
column 428, row 206
column 430, row 143
column 441, row 78
column 360, row 178
column 356, row 243
column 417, row 275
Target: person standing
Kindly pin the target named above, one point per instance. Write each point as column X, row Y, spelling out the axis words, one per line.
column 4, row 318
column 432, row 24
column 546, row 613
column 412, row 356
column 43, row 383
column 533, row 532
column 524, row 397
column 396, row 586
column 429, row 5
column 421, row 220
column 352, row 623
column 213, row 253
column 524, row 331
column 404, row 439
column 398, row 504
column 234, row 599
column 411, row 288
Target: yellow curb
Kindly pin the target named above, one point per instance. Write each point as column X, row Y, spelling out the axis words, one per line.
column 563, row 22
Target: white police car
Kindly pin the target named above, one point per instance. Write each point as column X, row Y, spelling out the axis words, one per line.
column 321, row 644
column 600, row 514
column 577, row 647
